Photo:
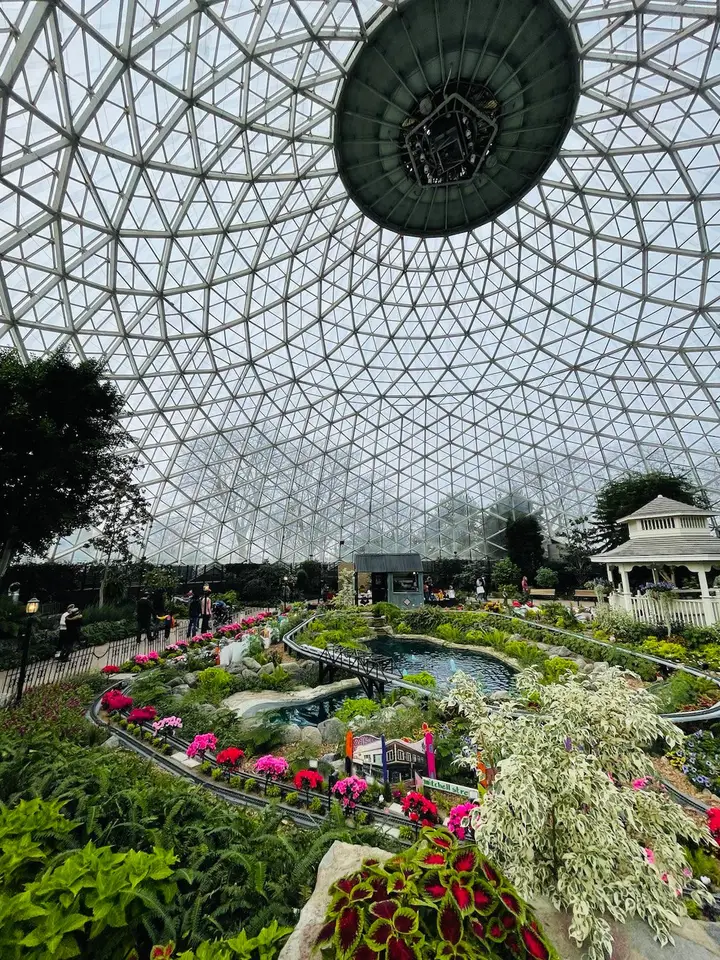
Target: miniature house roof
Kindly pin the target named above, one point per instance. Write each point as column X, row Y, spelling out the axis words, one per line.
column 388, row 563
column 664, row 550
column 665, row 507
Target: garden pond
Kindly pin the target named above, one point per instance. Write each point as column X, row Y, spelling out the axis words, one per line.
column 410, row 656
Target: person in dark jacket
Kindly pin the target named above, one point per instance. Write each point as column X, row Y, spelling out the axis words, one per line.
column 145, row 613
column 194, row 616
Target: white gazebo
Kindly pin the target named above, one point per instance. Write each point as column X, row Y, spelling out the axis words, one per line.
column 667, row 534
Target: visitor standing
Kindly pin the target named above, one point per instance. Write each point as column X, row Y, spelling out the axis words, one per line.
column 193, row 616
column 206, row 605
column 525, row 587
column 74, row 626
column 64, row 639
column 144, row 613
column 480, row 589
column 451, row 595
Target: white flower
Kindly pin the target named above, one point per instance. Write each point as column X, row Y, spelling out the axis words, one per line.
column 706, row 880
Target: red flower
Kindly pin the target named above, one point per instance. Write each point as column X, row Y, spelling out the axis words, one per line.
column 713, row 817
column 142, row 714
column 115, row 700
column 231, row 756
column 307, row 779
column 111, row 668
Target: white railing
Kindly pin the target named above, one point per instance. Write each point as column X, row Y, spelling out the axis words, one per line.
column 690, row 611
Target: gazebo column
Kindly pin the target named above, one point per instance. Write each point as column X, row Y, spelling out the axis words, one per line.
column 626, row 595
column 701, row 571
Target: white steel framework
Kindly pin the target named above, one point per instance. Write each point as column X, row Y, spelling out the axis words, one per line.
column 297, row 375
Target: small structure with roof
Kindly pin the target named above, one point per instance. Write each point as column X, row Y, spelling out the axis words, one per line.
column 393, row 577
column 666, row 535
column 405, row 758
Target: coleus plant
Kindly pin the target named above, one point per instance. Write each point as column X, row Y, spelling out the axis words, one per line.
column 438, row 899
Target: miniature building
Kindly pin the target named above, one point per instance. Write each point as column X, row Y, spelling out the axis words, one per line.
column 404, row 759
column 393, row 577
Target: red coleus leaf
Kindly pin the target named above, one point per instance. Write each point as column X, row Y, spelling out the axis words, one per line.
column 349, row 928
column 462, row 896
column 346, row 884
column 361, row 891
column 478, row 929
column 496, row 931
column 364, row 952
column 509, row 921
column 534, row 945
column 433, row 860
column 482, row 899
column 338, row 904
column 435, row 890
column 490, row 874
column 441, row 838
column 397, row 883
column 465, row 862
column 511, row 903
column 379, row 934
column 380, row 890
column 405, row 920
column 327, row 933
column 401, row 949
column 384, row 910
column 449, row 924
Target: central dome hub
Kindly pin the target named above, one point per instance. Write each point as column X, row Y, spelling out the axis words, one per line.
column 451, row 112
column 450, row 135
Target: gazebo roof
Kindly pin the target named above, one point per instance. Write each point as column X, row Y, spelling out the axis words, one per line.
column 663, row 548
column 665, row 507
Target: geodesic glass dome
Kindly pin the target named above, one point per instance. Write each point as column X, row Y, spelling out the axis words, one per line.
column 321, row 340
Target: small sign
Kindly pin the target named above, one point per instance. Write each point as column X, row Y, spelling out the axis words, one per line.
column 406, row 602
column 444, row 787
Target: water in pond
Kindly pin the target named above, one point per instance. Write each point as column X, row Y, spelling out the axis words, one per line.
column 410, row 656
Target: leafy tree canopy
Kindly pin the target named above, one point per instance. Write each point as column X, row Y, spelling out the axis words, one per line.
column 620, row 497
column 61, row 446
column 523, row 536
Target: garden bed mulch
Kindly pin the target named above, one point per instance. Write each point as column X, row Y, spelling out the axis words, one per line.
column 678, row 780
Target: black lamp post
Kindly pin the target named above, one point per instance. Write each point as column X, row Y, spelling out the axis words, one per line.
column 31, row 608
column 286, row 588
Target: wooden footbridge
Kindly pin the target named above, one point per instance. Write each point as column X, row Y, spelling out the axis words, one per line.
column 373, row 670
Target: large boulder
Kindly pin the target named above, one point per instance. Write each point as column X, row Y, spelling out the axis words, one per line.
column 331, row 730
column 191, row 679
column 311, row 736
column 267, row 669
column 112, row 743
column 497, row 696
column 175, row 682
column 291, row 733
column 560, row 651
column 251, row 664
column 341, row 859
column 181, row 690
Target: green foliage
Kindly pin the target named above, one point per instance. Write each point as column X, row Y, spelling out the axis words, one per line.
column 358, row 707
column 273, row 791
column 448, row 632
column 265, row 946
column 422, row 679
column 316, row 805
column 557, row 614
column 621, row 625
column 93, row 894
column 436, row 899
column 402, row 628
column 556, row 667
column 388, row 610
column 524, row 541
column 703, row 864
column 96, row 634
column 62, row 415
column 665, row 649
column 57, row 706
column 406, row 833
column 346, row 589
column 558, row 824
column 624, row 495
column 709, row 654
column 546, row 578
column 213, row 685
column 505, row 571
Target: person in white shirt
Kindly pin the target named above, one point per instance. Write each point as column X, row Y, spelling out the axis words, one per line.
column 65, row 637
column 451, row 594
column 480, row 589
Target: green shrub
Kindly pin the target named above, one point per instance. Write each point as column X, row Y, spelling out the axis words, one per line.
column 620, row 624
column 684, row 690
column 206, row 767
column 273, row 791
column 387, row 610
column 402, row 628
column 406, row 833
column 506, row 572
column 361, row 818
column 316, row 805
column 279, row 679
column 449, row 633
column 360, row 707
column 213, row 685
column 216, row 773
column 525, row 653
column 251, row 785
column 666, row 650
column 709, row 653
column 556, row 667
column 422, row 679
column 546, row 578
column 235, row 782
column 292, row 799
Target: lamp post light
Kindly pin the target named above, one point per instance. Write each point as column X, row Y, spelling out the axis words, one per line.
column 286, row 588
column 31, row 609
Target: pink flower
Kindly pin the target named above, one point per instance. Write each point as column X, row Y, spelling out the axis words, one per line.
column 271, row 766
column 153, row 655
column 650, row 856
column 201, row 743
column 640, row 783
column 687, row 872
column 664, row 878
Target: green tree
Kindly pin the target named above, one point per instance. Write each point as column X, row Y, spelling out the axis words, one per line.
column 61, row 446
column 125, row 520
column 523, row 536
column 580, row 542
column 505, row 571
column 546, row 578
column 628, row 493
